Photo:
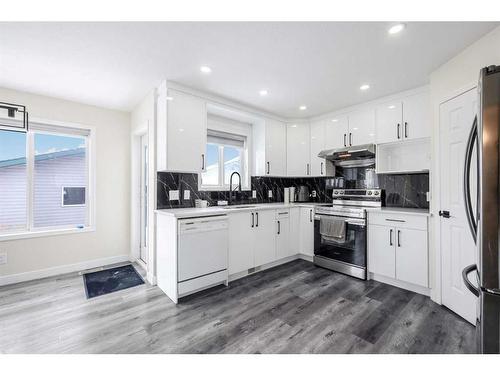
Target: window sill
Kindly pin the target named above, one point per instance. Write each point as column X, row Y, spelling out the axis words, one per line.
column 43, row 233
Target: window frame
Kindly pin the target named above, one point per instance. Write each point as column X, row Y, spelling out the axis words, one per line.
column 40, row 126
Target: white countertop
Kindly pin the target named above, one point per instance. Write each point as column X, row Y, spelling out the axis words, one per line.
column 399, row 210
column 223, row 210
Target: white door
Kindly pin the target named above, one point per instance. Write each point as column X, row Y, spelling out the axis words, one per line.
column 186, row 132
column 298, row 150
column 336, row 131
column 457, row 245
column 317, row 145
column 381, row 250
column 264, row 238
column 143, row 253
column 275, row 148
column 411, row 256
column 307, row 231
column 389, row 118
column 416, row 116
column 241, row 237
column 361, row 127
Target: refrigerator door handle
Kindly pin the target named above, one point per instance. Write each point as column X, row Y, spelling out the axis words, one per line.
column 467, row 199
column 467, row 282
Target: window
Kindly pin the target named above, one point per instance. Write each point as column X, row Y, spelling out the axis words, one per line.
column 44, row 179
column 225, row 154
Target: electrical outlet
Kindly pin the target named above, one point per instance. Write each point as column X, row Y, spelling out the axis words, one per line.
column 173, row 195
column 254, row 194
column 269, row 193
column 187, row 194
column 428, row 196
column 314, row 193
column 3, row 258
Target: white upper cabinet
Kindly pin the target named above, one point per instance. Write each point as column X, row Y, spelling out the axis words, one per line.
column 416, row 116
column 318, row 167
column 336, row 131
column 298, row 161
column 404, row 119
column 182, row 131
column 275, row 152
column 361, row 127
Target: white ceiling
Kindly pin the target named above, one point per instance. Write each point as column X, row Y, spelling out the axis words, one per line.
column 320, row 65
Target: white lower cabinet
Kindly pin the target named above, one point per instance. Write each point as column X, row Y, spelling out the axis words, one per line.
column 295, row 230
column 398, row 251
column 307, row 231
column 283, row 248
column 241, row 242
column 264, row 238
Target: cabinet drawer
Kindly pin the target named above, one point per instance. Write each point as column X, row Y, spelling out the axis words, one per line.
column 282, row 214
column 398, row 220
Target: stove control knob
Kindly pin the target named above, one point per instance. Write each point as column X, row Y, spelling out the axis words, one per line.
column 376, row 193
column 335, row 192
column 370, row 192
column 342, row 192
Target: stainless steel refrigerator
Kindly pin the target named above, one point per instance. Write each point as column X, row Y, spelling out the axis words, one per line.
column 483, row 209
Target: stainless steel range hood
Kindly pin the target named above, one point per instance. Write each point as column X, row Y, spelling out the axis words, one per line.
column 351, row 157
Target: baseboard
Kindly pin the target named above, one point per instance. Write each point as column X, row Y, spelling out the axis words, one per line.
column 309, row 258
column 59, row 270
column 401, row 284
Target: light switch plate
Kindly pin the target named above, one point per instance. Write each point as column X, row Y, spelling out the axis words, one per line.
column 187, row 194
column 3, row 258
column 254, row 194
column 270, row 194
column 173, row 195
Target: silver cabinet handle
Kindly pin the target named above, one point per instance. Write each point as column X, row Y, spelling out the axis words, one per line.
column 397, row 130
column 307, row 169
column 399, row 239
column 253, row 220
column 350, row 139
column 268, row 167
column 279, row 227
column 406, row 129
column 202, row 162
column 396, row 220
column 321, row 171
column 390, row 237
column 345, row 145
column 311, row 216
column 257, row 219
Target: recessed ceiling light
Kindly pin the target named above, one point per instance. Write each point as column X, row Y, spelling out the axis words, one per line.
column 302, row 107
column 391, row 107
column 263, row 92
column 396, row 28
column 170, row 98
column 335, row 120
column 364, row 87
column 205, row 69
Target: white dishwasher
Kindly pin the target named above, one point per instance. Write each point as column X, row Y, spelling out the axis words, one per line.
column 202, row 253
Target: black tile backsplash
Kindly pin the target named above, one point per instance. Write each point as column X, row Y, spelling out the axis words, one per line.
column 402, row 190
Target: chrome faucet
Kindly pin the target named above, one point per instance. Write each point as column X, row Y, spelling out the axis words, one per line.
column 231, row 185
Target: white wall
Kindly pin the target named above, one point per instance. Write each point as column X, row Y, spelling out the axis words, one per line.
column 143, row 120
column 451, row 79
column 111, row 239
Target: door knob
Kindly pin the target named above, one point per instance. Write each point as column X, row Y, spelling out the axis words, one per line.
column 445, row 214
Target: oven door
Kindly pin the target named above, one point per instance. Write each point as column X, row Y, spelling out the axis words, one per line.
column 350, row 250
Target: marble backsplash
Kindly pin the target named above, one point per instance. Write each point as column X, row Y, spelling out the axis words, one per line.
column 402, row 190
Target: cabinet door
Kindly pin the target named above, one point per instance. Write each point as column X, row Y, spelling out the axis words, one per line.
column 381, row 250
column 389, row 121
column 186, row 132
column 275, row 148
column 294, row 230
column 265, row 237
column 317, row 145
column 417, row 116
column 411, row 256
column 307, row 231
column 336, row 132
column 283, row 248
column 361, row 127
column 241, row 237
column 298, row 150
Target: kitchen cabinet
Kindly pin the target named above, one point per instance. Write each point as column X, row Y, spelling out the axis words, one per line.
column 298, row 155
column 306, row 231
column 404, row 119
column 264, row 237
column 241, row 241
column 270, row 148
column 317, row 130
column 283, row 248
column 181, row 131
column 361, row 127
column 336, row 131
column 294, row 230
column 398, row 247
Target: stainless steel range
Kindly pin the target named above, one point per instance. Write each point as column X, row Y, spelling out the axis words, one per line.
column 340, row 231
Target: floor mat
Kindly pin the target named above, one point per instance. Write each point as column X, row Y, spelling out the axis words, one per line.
column 111, row 280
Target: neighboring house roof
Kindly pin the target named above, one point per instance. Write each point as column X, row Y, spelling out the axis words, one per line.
column 51, row 155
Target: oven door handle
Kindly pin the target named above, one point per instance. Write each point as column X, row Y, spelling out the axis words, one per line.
column 357, row 222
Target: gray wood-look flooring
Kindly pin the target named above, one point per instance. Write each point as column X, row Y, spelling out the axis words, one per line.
column 293, row 308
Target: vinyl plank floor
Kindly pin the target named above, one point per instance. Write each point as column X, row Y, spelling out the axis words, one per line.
column 293, row 308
